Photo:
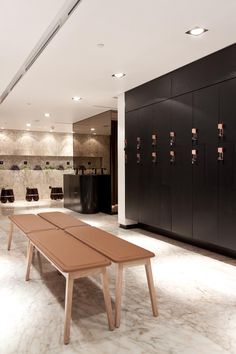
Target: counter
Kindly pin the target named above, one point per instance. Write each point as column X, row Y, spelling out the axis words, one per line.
column 87, row 194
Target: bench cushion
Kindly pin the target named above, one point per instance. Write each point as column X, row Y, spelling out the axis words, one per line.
column 67, row 253
column 61, row 220
column 31, row 222
column 112, row 247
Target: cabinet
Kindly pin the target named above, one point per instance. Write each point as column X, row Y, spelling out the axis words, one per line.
column 132, row 168
column 185, row 180
column 205, row 179
column 181, row 168
column 227, row 167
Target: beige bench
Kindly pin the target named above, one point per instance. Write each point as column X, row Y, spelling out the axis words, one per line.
column 74, row 260
column 28, row 223
column 121, row 252
column 61, row 220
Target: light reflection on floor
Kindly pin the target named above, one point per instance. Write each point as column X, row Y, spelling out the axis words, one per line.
column 196, row 297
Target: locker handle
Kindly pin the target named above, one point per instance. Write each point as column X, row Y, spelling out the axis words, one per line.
column 138, row 158
column 154, row 139
column 138, row 143
column 220, row 130
column 154, row 157
column 220, row 152
column 194, row 156
column 194, row 136
column 125, row 148
column 172, row 138
column 172, row 156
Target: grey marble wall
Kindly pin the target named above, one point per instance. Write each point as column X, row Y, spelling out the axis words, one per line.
column 94, row 146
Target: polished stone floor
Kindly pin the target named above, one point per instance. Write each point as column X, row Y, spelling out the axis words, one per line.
column 196, row 298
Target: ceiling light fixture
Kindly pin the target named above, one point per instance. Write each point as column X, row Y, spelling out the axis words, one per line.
column 196, row 31
column 118, row 75
column 76, row 98
column 28, row 124
column 92, row 129
column 47, row 115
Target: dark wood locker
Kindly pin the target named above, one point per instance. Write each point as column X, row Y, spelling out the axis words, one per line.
column 205, row 180
column 181, row 167
column 131, row 166
column 227, row 167
column 147, row 182
column 160, row 181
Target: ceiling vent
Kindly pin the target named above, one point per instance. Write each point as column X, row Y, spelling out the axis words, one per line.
column 61, row 18
column 73, row 7
column 98, row 106
column 42, row 47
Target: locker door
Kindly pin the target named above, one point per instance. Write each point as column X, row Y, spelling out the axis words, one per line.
column 161, row 177
column 181, row 168
column 205, row 183
column 226, row 168
column 131, row 167
column 147, row 184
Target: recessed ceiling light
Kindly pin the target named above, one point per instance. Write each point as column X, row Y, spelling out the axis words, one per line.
column 197, row 31
column 47, row 115
column 118, row 75
column 76, row 98
column 28, row 124
column 92, row 129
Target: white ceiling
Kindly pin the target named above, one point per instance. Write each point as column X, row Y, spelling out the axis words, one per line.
column 144, row 39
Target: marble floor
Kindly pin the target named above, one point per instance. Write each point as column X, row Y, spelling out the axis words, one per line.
column 196, row 298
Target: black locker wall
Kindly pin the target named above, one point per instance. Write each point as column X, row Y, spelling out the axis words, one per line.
column 181, row 169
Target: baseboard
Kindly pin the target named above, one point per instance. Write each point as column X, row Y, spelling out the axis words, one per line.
column 130, row 226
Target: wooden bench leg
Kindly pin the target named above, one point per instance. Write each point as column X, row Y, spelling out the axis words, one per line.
column 68, row 307
column 151, row 287
column 29, row 259
column 119, row 278
column 107, row 299
column 10, row 236
column 40, row 263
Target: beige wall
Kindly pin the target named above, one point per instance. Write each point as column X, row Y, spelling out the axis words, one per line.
column 16, row 142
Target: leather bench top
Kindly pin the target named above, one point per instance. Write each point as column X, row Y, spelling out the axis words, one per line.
column 114, row 248
column 67, row 253
column 61, row 220
column 31, row 222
